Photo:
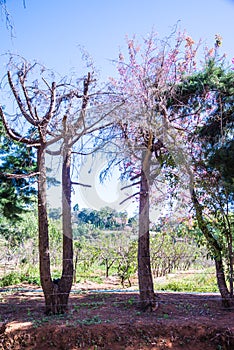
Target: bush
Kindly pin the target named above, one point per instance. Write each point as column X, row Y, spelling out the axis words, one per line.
column 18, row 277
column 10, row 279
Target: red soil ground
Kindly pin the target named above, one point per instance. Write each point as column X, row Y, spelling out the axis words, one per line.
column 98, row 320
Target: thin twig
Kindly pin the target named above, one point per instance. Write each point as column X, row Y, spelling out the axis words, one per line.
column 129, row 197
column 80, row 184
column 134, row 184
column 20, row 176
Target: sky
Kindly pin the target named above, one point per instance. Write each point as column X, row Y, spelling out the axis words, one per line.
column 51, row 31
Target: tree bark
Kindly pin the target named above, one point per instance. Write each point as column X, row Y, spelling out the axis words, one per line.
column 230, row 254
column 63, row 285
column 220, row 275
column 44, row 251
column 216, row 249
column 56, row 292
column 145, row 279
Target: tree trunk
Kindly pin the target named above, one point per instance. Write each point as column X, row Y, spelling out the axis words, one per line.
column 230, row 254
column 75, row 266
column 216, row 249
column 220, row 275
column 44, row 251
column 107, row 268
column 65, row 283
column 145, row 279
column 56, row 292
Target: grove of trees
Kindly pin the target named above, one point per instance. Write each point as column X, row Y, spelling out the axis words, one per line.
column 166, row 120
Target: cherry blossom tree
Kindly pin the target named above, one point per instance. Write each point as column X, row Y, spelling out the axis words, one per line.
column 150, row 127
column 168, row 99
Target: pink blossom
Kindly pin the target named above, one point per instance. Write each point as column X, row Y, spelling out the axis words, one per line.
column 189, row 41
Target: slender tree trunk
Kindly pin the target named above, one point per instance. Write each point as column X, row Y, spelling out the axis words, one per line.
column 220, row 275
column 230, row 254
column 44, row 251
column 146, row 288
column 107, row 268
column 75, row 266
column 65, row 283
column 231, row 262
column 217, row 251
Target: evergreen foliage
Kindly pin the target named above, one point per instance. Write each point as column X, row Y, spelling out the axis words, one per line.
column 16, row 193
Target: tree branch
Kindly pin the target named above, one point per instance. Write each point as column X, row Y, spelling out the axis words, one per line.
column 52, row 105
column 20, row 176
column 129, row 197
column 135, row 177
column 22, row 80
column 14, row 135
column 134, row 184
column 19, row 102
column 80, row 184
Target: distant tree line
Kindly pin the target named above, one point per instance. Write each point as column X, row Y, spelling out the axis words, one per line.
column 106, row 218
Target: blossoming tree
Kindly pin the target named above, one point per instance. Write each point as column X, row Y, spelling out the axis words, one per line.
column 150, row 127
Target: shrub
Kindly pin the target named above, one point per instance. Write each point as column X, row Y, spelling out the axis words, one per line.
column 13, row 278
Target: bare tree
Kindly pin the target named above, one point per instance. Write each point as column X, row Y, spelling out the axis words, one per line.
column 40, row 103
column 56, row 117
column 77, row 122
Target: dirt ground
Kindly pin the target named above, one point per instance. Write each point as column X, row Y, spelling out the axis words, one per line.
column 112, row 320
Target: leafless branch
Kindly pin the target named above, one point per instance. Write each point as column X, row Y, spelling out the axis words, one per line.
column 129, row 197
column 85, row 101
column 80, row 184
column 134, row 184
column 91, row 152
column 19, row 102
column 54, row 153
column 20, row 176
column 47, row 84
column 27, row 99
column 14, row 135
column 50, row 111
column 90, row 130
column 135, row 177
column 54, row 140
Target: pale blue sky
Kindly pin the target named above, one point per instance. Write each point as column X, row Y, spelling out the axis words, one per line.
column 51, row 30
